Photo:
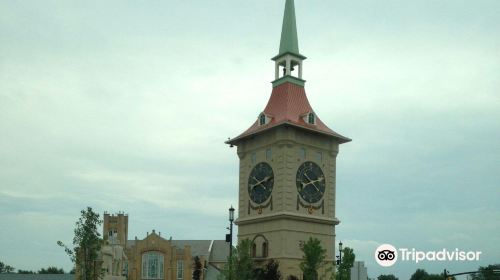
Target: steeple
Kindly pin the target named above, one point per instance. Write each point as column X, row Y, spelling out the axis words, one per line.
column 289, row 57
column 289, row 42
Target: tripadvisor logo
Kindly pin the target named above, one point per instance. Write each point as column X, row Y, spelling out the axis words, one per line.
column 386, row 255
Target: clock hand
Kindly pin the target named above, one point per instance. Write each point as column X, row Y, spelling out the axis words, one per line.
column 311, row 182
column 260, row 182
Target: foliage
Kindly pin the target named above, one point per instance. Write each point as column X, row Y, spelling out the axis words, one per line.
column 6, row 268
column 269, row 272
column 435, row 277
column 198, row 268
column 313, row 259
column 420, row 274
column 387, row 277
column 20, row 271
column 344, row 269
column 51, row 270
column 487, row 273
column 240, row 266
column 87, row 244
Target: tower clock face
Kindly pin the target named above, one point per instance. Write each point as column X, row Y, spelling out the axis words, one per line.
column 310, row 182
column 260, row 182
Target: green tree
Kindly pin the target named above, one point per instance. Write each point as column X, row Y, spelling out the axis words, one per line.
column 20, row 271
column 87, row 244
column 240, row 266
column 4, row 268
column 51, row 270
column 420, row 274
column 313, row 258
column 435, row 277
column 344, row 269
column 487, row 273
column 387, row 277
column 269, row 272
column 198, row 268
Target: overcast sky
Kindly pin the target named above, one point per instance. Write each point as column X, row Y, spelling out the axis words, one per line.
column 125, row 105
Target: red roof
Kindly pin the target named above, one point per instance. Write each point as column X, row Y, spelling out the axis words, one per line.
column 288, row 104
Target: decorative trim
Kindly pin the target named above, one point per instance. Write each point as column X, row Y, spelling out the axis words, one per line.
column 261, row 206
column 310, row 207
column 288, row 216
column 290, row 79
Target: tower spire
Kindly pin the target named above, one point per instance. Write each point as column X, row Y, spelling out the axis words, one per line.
column 289, row 41
column 289, row 59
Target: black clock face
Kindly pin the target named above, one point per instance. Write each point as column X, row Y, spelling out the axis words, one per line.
column 310, row 182
column 260, row 182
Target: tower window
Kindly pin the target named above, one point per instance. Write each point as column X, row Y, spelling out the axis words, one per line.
column 264, row 249
column 319, row 157
column 302, row 153
column 311, row 118
column 262, row 119
column 269, row 154
column 254, row 158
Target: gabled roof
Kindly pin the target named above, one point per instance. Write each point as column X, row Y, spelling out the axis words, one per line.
column 288, row 105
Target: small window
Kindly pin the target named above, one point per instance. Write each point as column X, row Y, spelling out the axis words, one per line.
column 262, row 119
column 254, row 250
column 269, row 154
column 264, row 249
column 254, row 158
column 311, row 118
column 302, row 153
column 319, row 157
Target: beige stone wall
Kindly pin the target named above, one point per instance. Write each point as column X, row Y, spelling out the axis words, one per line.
column 288, row 223
column 118, row 222
column 171, row 254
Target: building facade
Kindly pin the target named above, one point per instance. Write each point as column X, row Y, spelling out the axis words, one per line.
column 359, row 271
column 287, row 164
column 154, row 257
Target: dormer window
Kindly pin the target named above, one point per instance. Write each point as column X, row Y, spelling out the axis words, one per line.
column 262, row 119
column 311, row 118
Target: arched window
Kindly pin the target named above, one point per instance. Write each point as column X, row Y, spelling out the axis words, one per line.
column 262, row 119
column 264, row 249
column 254, row 250
column 152, row 265
column 311, row 118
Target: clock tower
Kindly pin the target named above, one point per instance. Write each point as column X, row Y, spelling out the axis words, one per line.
column 287, row 167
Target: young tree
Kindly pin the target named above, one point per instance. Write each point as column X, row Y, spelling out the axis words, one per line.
column 240, row 266
column 198, row 268
column 344, row 269
column 87, row 244
column 313, row 259
column 387, row 277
